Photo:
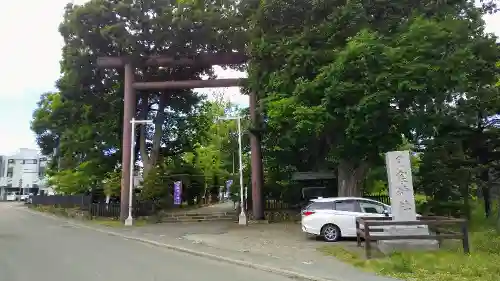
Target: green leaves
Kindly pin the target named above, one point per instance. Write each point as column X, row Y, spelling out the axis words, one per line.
column 75, row 181
column 85, row 117
column 217, row 145
column 341, row 82
column 112, row 183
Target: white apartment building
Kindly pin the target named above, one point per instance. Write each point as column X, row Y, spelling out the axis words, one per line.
column 23, row 172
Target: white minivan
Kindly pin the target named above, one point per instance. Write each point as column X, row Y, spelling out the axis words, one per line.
column 11, row 196
column 333, row 218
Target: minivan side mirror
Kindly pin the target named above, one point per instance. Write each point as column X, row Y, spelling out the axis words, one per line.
column 386, row 213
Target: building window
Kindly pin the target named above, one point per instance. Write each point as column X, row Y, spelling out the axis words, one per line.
column 11, row 161
column 23, row 162
column 9, row 175
column 41, row 171
column 43, row 159
column 30, row 161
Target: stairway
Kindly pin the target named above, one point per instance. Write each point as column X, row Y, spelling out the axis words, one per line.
column 199, row 217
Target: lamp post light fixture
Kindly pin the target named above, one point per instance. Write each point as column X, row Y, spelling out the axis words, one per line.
column 242, row 218
column 129, row 221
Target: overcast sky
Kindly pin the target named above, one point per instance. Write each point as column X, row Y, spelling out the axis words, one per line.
column 30, row 65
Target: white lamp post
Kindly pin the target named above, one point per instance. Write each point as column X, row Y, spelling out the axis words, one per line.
column 129, row 221
column 242, row 219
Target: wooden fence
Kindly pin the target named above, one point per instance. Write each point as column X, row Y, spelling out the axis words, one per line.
column 366, row 227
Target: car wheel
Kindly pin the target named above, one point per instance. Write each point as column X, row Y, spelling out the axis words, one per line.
column 330, row 233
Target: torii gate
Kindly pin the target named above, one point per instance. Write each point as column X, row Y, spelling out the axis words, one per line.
column 130, row 104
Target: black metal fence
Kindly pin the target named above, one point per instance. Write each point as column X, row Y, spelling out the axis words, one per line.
column 272, row 204
column 379, row 197
column 84, row 203
column 279, row 204
column 112, row 210
column 65, row 201
column 104, row 210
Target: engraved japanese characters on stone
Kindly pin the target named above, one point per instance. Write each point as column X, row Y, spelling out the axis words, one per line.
column 406, row 205
column 401, row 185
column 402, row 176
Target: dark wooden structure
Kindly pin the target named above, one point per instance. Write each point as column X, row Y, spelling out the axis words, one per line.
column 366, row 227
column 316, row 184
column 206, row 60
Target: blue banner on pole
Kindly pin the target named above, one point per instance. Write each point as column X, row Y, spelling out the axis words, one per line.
column 228, row 186
column 177, row 193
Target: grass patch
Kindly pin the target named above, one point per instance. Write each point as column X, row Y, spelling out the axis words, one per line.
column 443, row 265
column 76, row 213
column 63, row 212
column 116, row 223
column 447, row 264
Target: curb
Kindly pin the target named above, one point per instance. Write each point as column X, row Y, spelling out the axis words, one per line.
column 278, row 271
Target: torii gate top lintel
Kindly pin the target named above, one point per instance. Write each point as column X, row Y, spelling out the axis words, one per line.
column 205, row 59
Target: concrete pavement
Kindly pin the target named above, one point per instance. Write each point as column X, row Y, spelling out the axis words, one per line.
column 269, row 247
column 34, row 247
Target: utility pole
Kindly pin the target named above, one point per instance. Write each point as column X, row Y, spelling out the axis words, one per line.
column 130, row 220
column 242, row 219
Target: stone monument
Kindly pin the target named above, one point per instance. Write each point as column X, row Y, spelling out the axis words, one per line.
column 403, row 206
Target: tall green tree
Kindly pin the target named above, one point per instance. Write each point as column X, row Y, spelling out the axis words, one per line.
column 341, row 82
column 203, row 168
column 84, row 119
column 216, row 154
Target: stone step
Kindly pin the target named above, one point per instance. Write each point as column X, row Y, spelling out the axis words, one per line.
column 205, row 219
column 199, row 214
column 199, row 217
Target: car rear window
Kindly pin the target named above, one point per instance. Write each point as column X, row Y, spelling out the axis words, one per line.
column 320, row 206
column 348, row 206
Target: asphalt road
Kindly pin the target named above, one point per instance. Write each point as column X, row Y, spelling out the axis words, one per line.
column 36, row 248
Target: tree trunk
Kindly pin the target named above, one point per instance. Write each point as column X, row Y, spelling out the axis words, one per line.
column 497, row 192
column 465, row 185
column 150, row 159
column 487, row 200
column 465, row 195
column 350, row 178
column 485, row 190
